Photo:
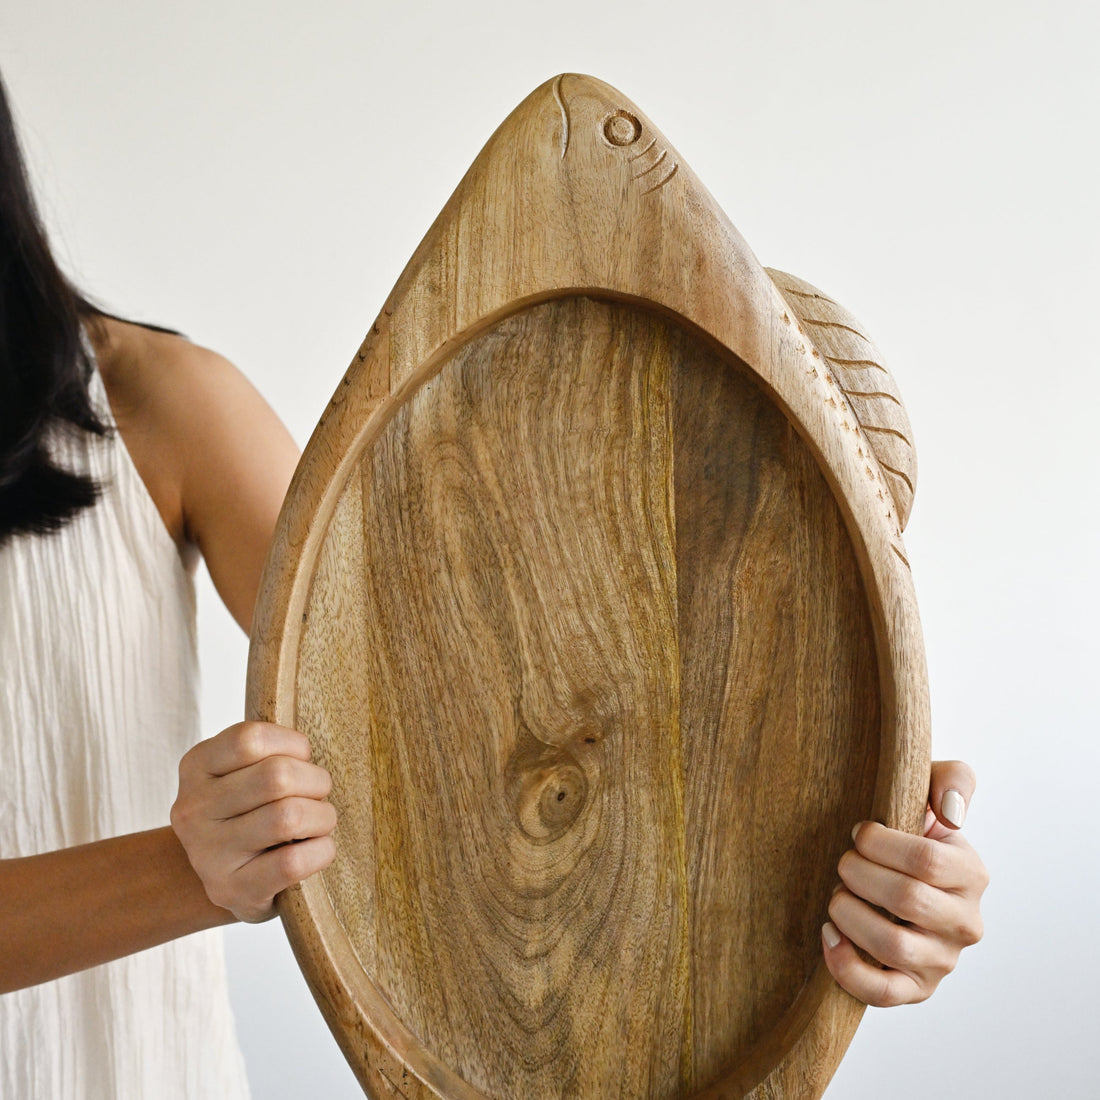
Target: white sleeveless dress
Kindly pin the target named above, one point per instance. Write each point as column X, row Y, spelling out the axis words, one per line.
column 98, row 701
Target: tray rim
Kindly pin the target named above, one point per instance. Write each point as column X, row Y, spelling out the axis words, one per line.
column 817, row 1029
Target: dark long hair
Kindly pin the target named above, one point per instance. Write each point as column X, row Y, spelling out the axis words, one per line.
column 44, row 365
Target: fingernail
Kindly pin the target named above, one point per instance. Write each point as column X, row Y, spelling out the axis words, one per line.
column 836, row 889
column 830, row 935
column 953, row 808
column 855, row 831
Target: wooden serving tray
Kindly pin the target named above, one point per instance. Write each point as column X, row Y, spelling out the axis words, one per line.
column 590, row 593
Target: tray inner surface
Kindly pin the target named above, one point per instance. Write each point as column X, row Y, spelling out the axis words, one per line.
column 588, row 655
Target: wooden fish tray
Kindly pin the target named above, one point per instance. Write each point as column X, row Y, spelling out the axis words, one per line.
column 590, row 593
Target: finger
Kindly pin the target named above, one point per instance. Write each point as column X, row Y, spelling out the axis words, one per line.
column 272, row 779
column 270, row 872
column 244, row 744
column 946, row 864
column 923, row 957
column 939, row 912
column 950, row 791
column 289, row 819
column 869, row 983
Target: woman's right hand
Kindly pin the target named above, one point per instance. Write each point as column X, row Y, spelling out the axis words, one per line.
column 252, row 815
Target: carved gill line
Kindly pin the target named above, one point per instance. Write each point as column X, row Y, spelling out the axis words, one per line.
column 642, row 152
column 833, row 324
column 646, row 171
column 904, row 559
column 662, row 182
column 871, row 393
column 857, row 363
column 888, row 431
column 564, row 116
column 897, row 473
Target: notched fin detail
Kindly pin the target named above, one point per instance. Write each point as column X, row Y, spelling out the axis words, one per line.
column 866, row 364
column 898, row 473
column 842, row 342
column 873, row 393
column 887, row 431
column 827, row 324
column 811, row 294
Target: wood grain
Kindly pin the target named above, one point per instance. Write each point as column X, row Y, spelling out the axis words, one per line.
column 780, row 704
column 589, row 516
column 590, row 592
column 523, row 754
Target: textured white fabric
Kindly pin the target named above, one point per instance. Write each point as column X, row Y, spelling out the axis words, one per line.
column 98, row 701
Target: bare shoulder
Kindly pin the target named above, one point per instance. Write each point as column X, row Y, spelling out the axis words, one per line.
column 158, row 381
column 214, row 456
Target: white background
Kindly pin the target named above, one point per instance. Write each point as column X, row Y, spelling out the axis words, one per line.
column 258, row 173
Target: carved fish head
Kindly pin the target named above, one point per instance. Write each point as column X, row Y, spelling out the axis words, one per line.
column 597, row 122
column 596, row 164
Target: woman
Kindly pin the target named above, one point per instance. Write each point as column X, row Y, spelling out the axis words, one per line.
column 124, row 452
column 118, row 460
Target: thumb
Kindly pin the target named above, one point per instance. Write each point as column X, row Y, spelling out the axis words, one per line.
column 949, row 793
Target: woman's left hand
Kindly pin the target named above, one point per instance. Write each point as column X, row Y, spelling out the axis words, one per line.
column 931, row 884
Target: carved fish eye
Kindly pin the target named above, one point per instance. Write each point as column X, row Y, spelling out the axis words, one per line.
column 622, row 128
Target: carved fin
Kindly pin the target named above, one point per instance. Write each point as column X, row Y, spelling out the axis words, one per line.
column 865, row 379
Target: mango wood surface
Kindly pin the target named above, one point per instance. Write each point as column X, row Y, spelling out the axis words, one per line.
column 590, row 593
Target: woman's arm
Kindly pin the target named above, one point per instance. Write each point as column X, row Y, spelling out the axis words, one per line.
column 217, row 462
column 243, row 795
column 215, row 458
column 224, row 461
column 65, row 911
column 931, row 885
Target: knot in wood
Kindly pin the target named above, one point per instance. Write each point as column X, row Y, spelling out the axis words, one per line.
column 550, row 800
column 547, row 787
